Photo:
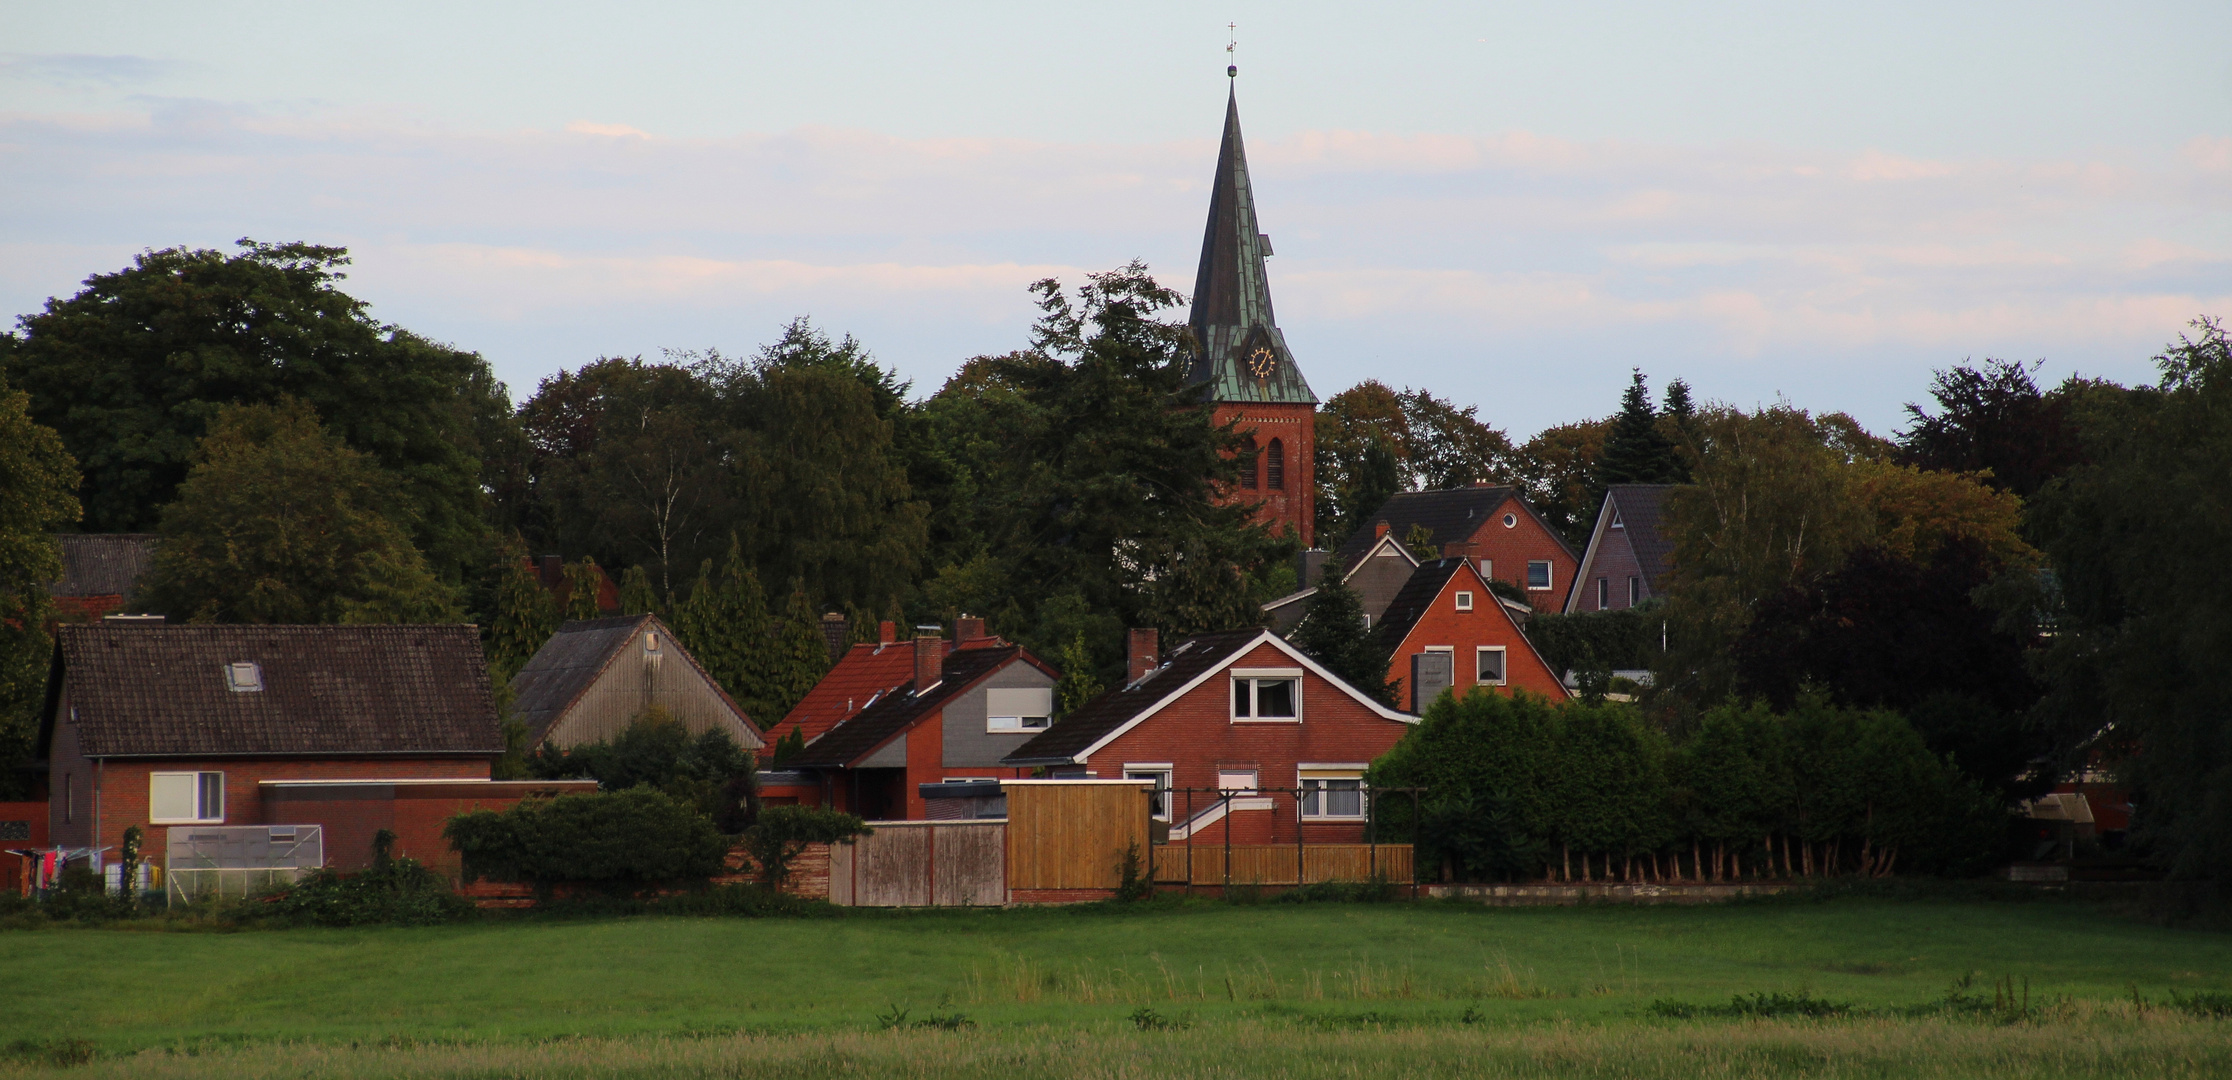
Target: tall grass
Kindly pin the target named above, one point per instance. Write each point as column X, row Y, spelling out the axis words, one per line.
column 2104, row 1042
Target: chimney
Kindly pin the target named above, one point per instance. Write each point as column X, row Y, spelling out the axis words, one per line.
column 966, row 629
column 1460, row 549
column 1141, row 654
column 553, row 569
column 1308, row 566
column 887, row 632
column 835, row 629
column 1379, row 529
column 929, row 657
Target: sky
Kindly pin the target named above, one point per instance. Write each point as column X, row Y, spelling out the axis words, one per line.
column 1508, row 205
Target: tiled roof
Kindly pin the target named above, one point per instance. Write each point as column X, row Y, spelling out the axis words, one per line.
column 1642, row 510
column 896, row 712
column 865, row 673
column 568, row 665
column 102, row 564
column 1414, row 601
column 327, row 690
column 1074, row 734
column 1450, row 515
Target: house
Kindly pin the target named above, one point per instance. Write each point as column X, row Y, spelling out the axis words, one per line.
column 859, row 676
column 99, row 571
column 1377, row 575
column 961, row 710
column 167, row 726
column 1238, row 710
column 595, row 676
column 1447, row 610
column 1514, row 544
column 1629, row 554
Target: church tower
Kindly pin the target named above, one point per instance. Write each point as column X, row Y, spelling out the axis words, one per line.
column 1244, row 367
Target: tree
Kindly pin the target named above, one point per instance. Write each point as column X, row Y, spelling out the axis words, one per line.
column 2135, row 535
column 524, row 615
column 636, row 595
column 1993, row 419
column 702, row 771
column 1373, row 442
column 782, row 834
column 1078, row 684
column 135, row 369
column 1487, row 764
column 1335, row 633
column 797, row 656
column 584, row 582
column 38, row 496
column 1637, row 450
column 1557, row 470
column 279, row 522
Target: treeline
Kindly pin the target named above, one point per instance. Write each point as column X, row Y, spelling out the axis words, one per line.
column 1520, row 789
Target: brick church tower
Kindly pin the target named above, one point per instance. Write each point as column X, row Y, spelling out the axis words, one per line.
column 1244, row 367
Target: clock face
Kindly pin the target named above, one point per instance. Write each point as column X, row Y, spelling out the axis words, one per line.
column 1262, row 361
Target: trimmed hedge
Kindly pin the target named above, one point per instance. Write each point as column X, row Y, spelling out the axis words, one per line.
column 622, row 839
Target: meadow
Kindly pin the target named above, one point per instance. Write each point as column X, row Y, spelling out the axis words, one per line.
column 1919, row 988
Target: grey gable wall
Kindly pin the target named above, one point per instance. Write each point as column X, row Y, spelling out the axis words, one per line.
column 967, row 744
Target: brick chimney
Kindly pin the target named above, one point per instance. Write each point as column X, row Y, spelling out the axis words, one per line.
column 1141, row 654
column 835, row 630
column 1379, row 529
column 1460, row 549
column 887, row 632
column 929, row 657
column 966, row 629
column 552, row 570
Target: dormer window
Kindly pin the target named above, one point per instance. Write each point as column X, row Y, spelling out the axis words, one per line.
column 244, row 677
column 1464, row 601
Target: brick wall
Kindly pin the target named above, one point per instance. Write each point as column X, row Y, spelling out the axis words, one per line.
column 1510, row 549
column 1295, row 426
column 1487, row 624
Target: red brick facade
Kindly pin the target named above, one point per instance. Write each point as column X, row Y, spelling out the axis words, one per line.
column 1198, row 738
column 1507, row 549
column 1291, row 504
column 1464, row 633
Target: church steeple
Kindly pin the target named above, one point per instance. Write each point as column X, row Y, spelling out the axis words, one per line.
column 1243, row 355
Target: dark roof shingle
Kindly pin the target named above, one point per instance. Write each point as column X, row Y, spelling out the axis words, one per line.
column 327, row 690
column 1074, row 734
column 1642, row 510
column 1450, row 515
column 1414, row 601
column 102, row 564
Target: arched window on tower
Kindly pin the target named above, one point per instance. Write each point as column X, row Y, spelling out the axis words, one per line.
column 1251, row 463
column 1275, row 466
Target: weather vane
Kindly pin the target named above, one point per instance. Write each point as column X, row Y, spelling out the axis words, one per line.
column 1232, row 30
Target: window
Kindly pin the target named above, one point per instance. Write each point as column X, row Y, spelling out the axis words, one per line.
column 1616, row 522
column 1330, row 794
column 1604, row 593
column 1237, row 781
column 1252, row 463
column 1635, row 591
column 185, row 797
column 651, row 641
column 1159, row 801
column 1274, row 467
column 244, row 677
column 1464, row 600
column 1488, row 569
column 1023, row 709
column 1267, row 695
column 1489, row 665
column 1511, row 521
column 1538, row 573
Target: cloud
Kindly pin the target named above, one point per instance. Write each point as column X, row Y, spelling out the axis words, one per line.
column 72, row 70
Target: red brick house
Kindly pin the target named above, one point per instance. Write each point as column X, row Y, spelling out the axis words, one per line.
column 860, row 675
column 1629, row 555
column 99, row 572
column 962, row 707
column 1447, row 608
column 1511, row 542
column 168, row 726
column 1238, row 710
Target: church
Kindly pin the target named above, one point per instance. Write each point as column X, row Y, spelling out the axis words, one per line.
column 1243, row 367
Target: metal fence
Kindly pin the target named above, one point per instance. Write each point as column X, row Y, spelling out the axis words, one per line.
column 1208, row 812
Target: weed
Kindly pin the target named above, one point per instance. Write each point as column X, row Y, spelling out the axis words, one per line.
column 2208, row 1004
column 58, row 1052
column 1774, row 1006
column 1146, row 1019
column 895, row 1019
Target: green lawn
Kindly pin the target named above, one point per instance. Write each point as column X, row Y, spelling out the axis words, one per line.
column 1029, row 976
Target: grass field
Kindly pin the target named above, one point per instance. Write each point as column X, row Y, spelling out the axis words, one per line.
column 1275, row 990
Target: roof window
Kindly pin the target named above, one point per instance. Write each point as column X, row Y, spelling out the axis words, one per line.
column 245, row 676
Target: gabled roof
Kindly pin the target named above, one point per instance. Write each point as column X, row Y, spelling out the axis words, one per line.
column 1450, row 514
column 1232, row 296
column 569, row 663
column 895, row 712
column 866, row 673
column 1092, row 725
column 102, row 564
column 1640, row 509
column 1416, row 599
column 327, row 691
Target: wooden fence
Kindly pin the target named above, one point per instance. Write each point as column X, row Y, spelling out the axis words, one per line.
column 1072, row 834
column 1274, row 864
column 921, row 864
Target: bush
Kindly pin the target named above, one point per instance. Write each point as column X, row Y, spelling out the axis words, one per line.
column 783, row 832
column 394, row 892
column 1624, row 639
column 623, row 840
column 709, row 771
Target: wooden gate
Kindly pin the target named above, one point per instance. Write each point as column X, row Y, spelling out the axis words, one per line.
column 922, row 864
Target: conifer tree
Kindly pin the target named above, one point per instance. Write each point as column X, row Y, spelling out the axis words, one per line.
column 583, row 581
column 725, row 625
column 796, row 657
column 1637, row 452
column 524, row 616
column 1333, row 632
column 1079, row 684
column 637, row 597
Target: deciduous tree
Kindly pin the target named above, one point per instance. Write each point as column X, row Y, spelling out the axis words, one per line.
column 38, row 496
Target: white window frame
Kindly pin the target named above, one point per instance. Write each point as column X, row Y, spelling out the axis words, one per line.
column 1549, row 575
column 1504, row 664
column 199, row 784
column 1160, row 772
column 1464, row 600
column 1255, row 677
column 1254, row 784
column 1307, row 772
column 244, row 677
column 1010, row 725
